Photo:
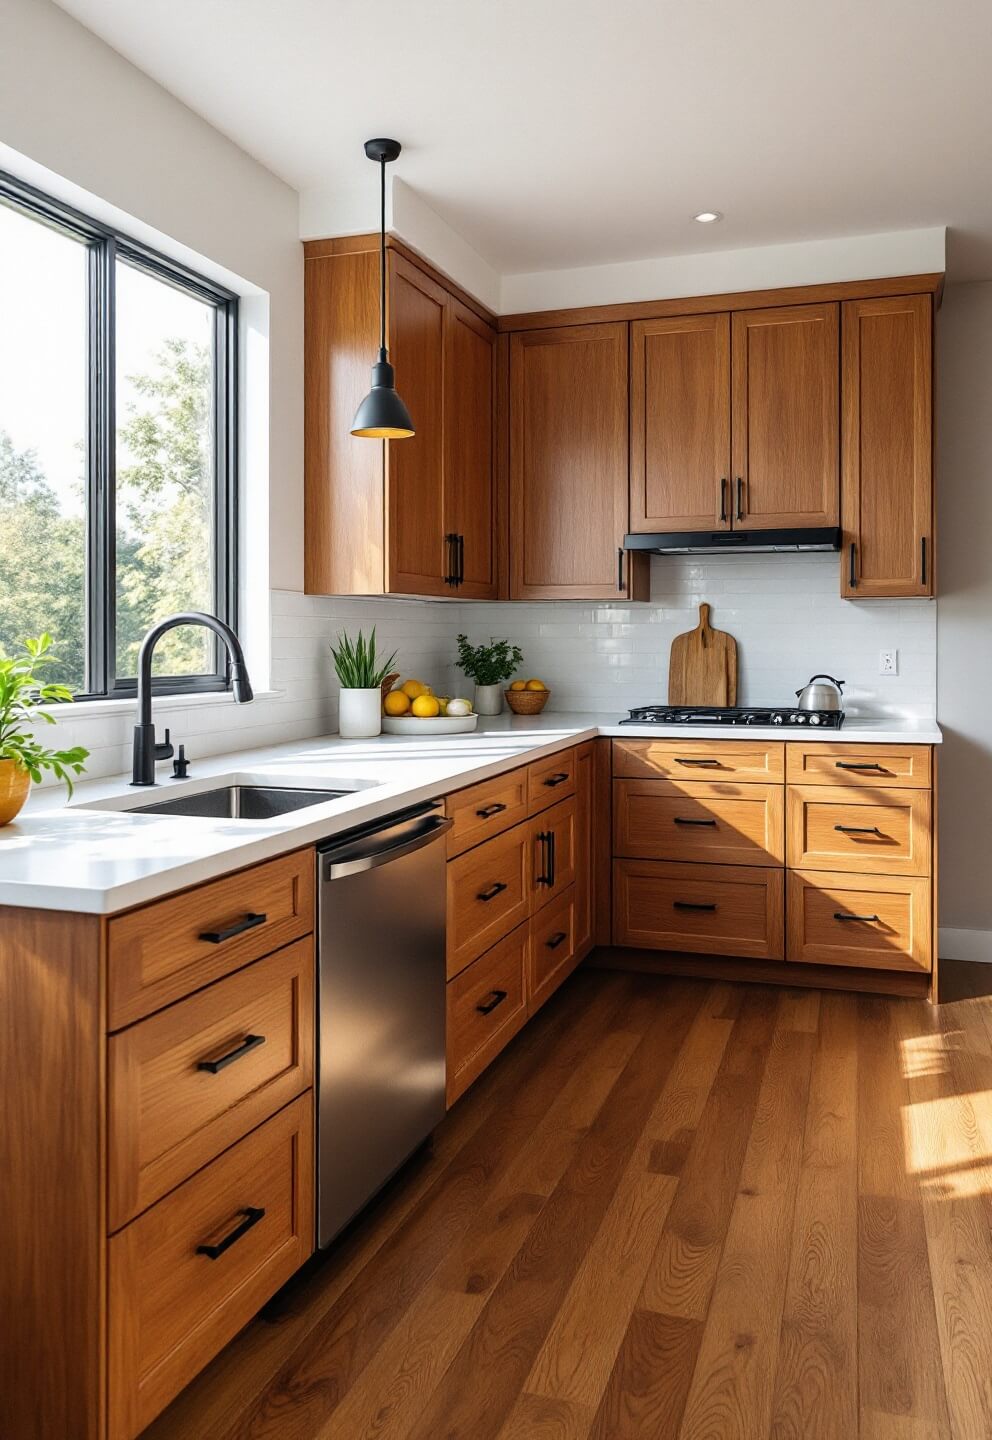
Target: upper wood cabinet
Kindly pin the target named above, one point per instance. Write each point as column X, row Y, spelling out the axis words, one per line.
column 405, row 517
column 888, row 447
column 785, row 417
column 569, row 473
column 680, row 423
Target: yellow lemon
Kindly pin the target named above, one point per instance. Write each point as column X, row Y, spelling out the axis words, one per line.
column 442, row 701
column 536, row 685
column 413, row 688
column 425, row 707
column 519, row 685
column 396, row 703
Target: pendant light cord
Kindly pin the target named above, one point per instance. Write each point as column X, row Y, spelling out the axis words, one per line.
column 382, row 256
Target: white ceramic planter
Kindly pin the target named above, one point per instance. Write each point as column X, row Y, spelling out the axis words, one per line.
column 488, row 699
column 360, row 713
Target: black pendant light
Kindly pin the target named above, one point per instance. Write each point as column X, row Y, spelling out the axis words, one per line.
column 382, row 414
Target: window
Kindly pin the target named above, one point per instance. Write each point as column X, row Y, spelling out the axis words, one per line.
column 117, row 450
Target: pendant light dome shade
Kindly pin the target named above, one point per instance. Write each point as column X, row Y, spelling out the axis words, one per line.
column 382, row 414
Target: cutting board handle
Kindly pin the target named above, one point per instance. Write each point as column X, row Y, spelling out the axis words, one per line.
column 704, row 627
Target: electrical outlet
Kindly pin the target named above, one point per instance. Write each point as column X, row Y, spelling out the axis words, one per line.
column 888, row 662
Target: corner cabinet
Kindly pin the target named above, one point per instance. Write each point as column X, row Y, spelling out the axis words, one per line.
column 887, row 389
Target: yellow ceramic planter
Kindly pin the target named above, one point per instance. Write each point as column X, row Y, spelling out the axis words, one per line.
column 14, row 786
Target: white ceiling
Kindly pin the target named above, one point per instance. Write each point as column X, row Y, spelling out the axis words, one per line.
column 556, row 133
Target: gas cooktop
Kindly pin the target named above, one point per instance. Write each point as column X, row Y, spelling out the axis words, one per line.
column 733, row 715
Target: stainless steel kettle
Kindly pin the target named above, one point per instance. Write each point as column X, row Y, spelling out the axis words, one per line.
column 818, row 696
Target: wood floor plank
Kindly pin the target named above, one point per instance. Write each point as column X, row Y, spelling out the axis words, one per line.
column 816, row 1387
column 536, row 1417
column 732, row 1387
column 645, row 1396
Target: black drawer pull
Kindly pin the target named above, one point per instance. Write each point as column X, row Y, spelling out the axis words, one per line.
column 556, row 940
column 682, row 820
column 250, row 1042
column 860, row 765
column 690, row 905
column 858, row 829
column 853, row 573
column 620, row 568
column 252, row 1216
column 680, row 761
column 923, row 560
column 558, row 779
column 723, row 498
column 217, row 937
column 740, row 498
column 492, row 892
column 490, row 810
column 495, row 998
column 842, row 915
column 547, row 875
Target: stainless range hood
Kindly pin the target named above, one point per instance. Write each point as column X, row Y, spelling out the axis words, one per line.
column 734, row 542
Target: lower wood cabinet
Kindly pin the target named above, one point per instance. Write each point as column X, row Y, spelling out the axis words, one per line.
column 552, row 954
column 553, row 849
column 882, row 832
column 881, row 922
column 705, row 909
column 489, row 893
column 725, row 823
column 486, row 1006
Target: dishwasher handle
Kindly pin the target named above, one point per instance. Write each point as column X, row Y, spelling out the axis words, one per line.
column 350, row 863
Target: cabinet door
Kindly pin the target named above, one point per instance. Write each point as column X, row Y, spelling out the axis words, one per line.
column 585, row 763
column 469, row 350
column 785, row 417
column 680, row 424
column 414, row 467
column 888, row 444
column 569, row 408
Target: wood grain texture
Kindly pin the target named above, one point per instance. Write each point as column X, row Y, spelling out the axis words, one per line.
column 556, row 826
column 699, row 759
column 469, row 504
column 702, row 667
column 882, row 767
column 486, row 1006
column 550, row 780
column 486, row 809
column 585, row 848
column 708, row 909
column 369, row 244
column 867, row 832
column 686, row 820
column 553, row 947
column 474, row 923
column 894, row 932
column 603, row 841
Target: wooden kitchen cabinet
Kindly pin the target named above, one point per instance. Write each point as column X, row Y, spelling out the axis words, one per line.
column 469, row 493
column 680, row 423
column 569, row 472
column 785, row 417
column 887, row 423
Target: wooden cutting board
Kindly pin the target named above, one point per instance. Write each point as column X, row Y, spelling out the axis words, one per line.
column 703, row 666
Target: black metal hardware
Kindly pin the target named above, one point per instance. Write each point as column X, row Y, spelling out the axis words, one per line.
column 682, row 820
column 860, row 765
column 858, row 829
column 923, row 560
column 547, row 874
column 723, row 498
column 252, row 1216
column 180, row 766
column 461, row 559
column 217, row 937
column 496, row 998
column 690, row 905
column 740, row 498
column 679, row 760
column 489, row 811
column 250, row 1042
column 557, row 779
column 492, row 892
column 853, row 576
column 452, row 576
column 554, row 856
column 620, row 567
column 556, row 940
column 841, row 915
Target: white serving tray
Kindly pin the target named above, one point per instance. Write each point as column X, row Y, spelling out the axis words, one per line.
column 437, row 725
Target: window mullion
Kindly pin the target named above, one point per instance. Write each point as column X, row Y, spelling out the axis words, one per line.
column 100, row 447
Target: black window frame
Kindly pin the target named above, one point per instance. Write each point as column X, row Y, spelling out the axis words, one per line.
column 106, row 245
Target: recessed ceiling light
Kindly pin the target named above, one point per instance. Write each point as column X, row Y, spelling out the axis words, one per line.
column 707, row 217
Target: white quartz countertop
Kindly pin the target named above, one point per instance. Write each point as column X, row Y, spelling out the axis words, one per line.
column 97, row 861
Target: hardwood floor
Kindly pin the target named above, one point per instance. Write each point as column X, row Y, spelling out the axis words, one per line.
column 672, row 1209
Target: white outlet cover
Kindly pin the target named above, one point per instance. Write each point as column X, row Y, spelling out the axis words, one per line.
column 888, row 662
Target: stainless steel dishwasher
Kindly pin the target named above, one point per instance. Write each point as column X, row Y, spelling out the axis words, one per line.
column 380, row 1005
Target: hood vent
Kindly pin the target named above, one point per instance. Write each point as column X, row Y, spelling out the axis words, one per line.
column 735, row 542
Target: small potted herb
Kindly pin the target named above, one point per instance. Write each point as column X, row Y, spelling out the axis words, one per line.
column 361, row 673
column 488, row 665
column 22, row 694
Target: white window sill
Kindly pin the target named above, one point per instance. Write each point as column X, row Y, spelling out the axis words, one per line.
column 92, row 709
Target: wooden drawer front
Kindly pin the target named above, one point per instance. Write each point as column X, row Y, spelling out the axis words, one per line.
column 488, row 894
column 487, row 1004
column 706, row 909
column 552, row 949
column 167, row 1115
column 728, row 824
column 699, row 760
column 892, row 933
column 554, row 848
column 487, row 809
column 880, row 766
column 159, row 954
column 873, row 832
column 170, row 1307
column 551, row 780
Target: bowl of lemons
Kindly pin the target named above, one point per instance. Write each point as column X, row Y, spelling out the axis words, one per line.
column 527, row 697
column 412, row 708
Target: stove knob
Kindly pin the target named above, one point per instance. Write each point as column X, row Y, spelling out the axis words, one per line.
column 799, row 719
column 814, row 719
column 778, row 720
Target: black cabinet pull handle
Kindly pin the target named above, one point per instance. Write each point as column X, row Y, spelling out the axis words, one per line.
column 740, row 498
column 682, row 820
column 489, row 811
column 556, row 940
column 680, row 761
column 923, row 560
column 250, row 1042
column 492, row 892
column 461, row 559
column 858, row 829
column 620, row 567
column 452, row 576
column 841, row 915
column 853, row 575
column 723, row 498
column 495, row 998
column 252, row 1216
column 558, row 779
column 217, row 937
column 554, row 856
column 690, row 905
column 861, row 765
column 545, row 877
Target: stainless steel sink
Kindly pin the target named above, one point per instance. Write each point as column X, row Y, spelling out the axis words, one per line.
column 240, row 802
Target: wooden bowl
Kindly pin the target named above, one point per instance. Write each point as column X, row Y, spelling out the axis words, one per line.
column 527, row 702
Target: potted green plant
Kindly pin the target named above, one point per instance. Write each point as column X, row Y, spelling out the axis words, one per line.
column 488, row 665
column 23, row 692
column 361, row 673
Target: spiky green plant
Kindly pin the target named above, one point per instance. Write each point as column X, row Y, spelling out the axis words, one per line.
column 357, row 662
column 23, row 692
